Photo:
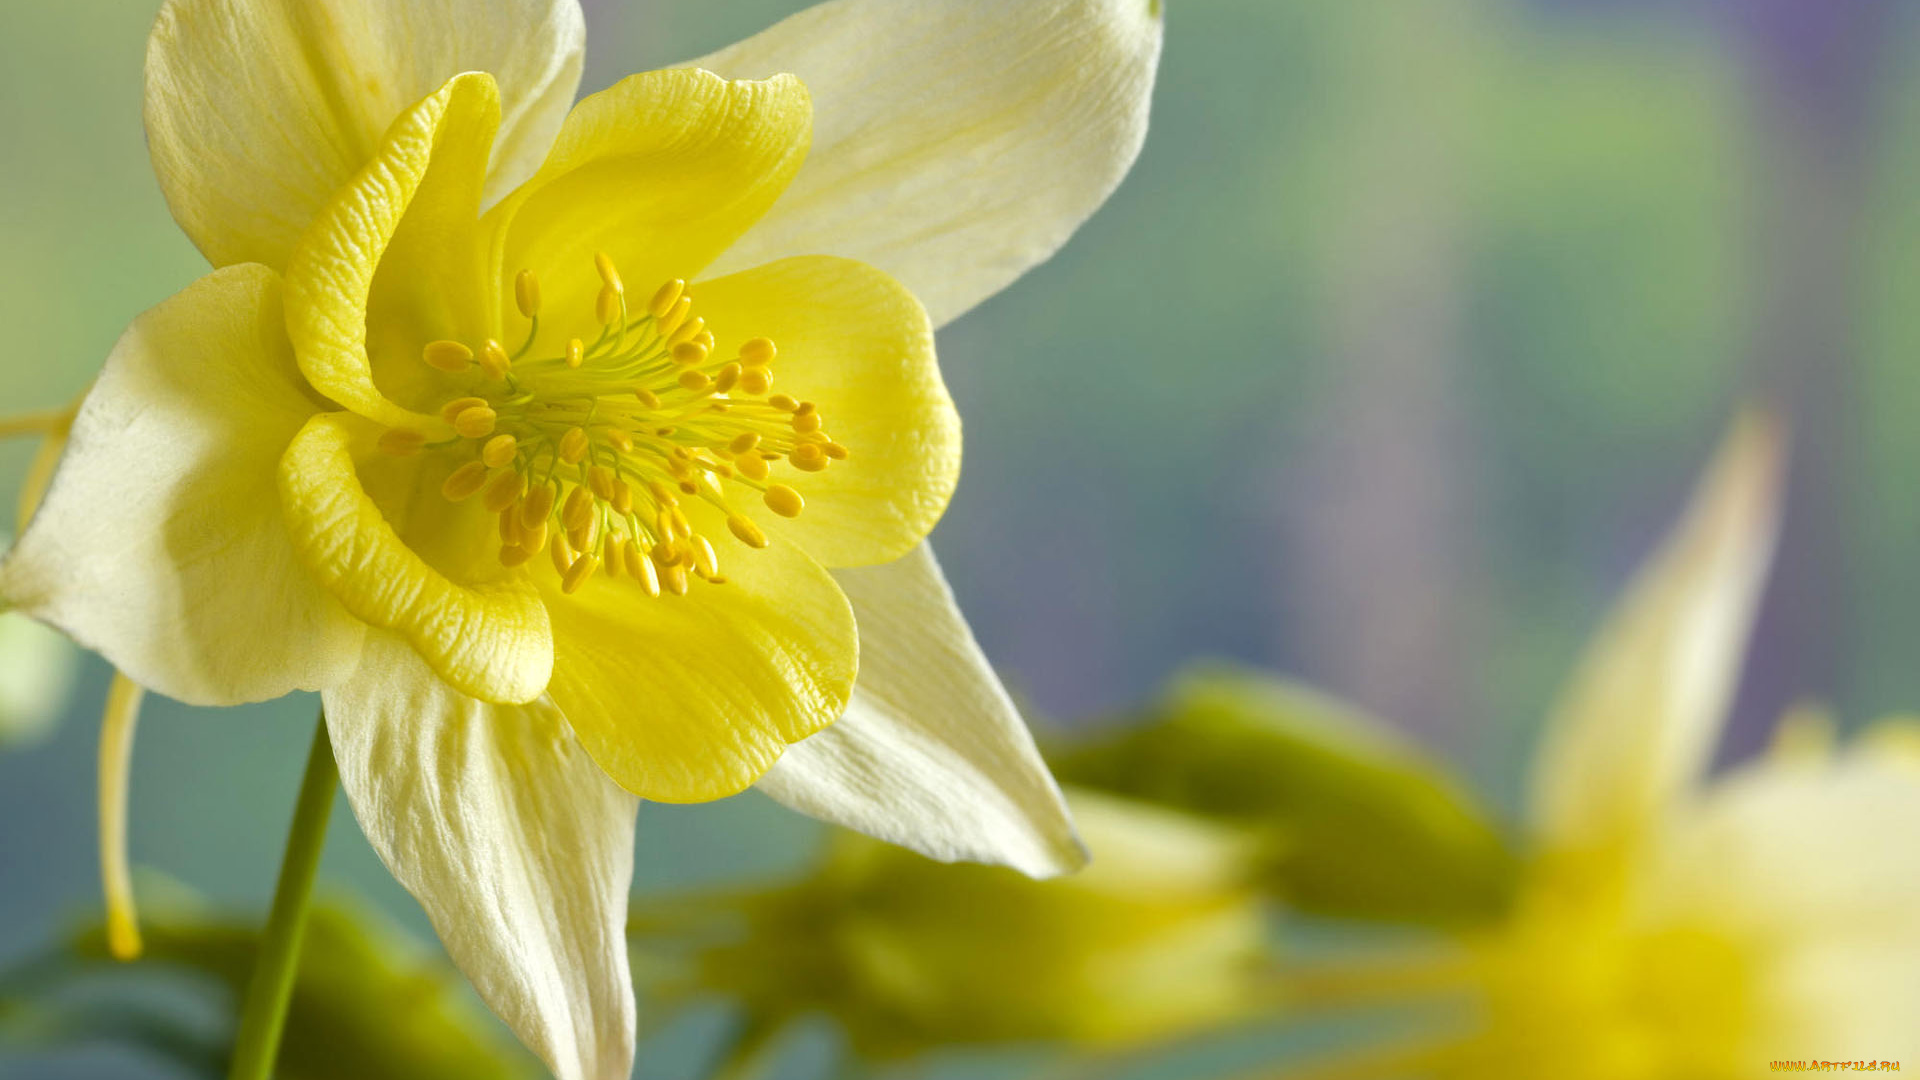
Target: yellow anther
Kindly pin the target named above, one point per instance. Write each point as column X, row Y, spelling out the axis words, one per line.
column 805, row 422
column 695, row 381
column 689, row 352
column 622, row 497
column 606, row 306
column 665, row 553
column 675, row 579
column 705, row 338
column 573, row 446
column 665, row 297
column 640, row 568
column 578, row 511
column 451, row 410
column 744, row 442
column 600, row 479
column 748, row 533
column 475, row 423
column 837, row 452
column 646, row 397
column 447, row 355
column 756, row 380
column 622, row 441
column 513, row 555
column 526, row 293
column 662, row 494
column 616, row 556
column 687, row 331
column 587, row 536
column 674, row 316
column 783, row 402
column 759, row 352
column 465, row 481
column 577, row 574
column 576, row 352
column 535, row 538
column 401, row 442
column 503, row 491
column 538, row 504
column 603, row 262
column 785, row 501
column 808, row 457
column 562, row 553
column 499, row 451
column 510, row 526
column 682, row 528
column 494, row 359
column 704, row 560
column 728, row 376
column 751, row 465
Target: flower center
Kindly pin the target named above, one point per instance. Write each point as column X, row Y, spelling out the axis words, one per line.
column 592, row 455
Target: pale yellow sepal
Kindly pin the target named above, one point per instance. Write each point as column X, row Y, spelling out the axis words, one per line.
column 258, row 111
column 1644, row 710
column 488, row 638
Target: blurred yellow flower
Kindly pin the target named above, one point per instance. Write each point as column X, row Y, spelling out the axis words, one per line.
column 447, row 436
column 1162, row 934
column 1672, row 927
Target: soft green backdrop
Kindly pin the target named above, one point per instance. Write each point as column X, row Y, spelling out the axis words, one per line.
column 1389, row 360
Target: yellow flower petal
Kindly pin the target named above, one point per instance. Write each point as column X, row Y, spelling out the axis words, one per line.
column 856, row 342
column 481, row 628
column 519, row 848
column 690, row 698
column 259, row 110
column 1640, row 719
column 931, row 755
column 661, row 173
column 398, row 249
column 160, row 543
column 960, row 142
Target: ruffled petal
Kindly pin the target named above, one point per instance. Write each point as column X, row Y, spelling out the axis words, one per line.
column 418, row 565
column 160, row 543
column 259, row 110
column 398, row 251
column 1639, row 721
column 519, row 848
column 931, row 754
column 691, row 698
column 959, row 142
column 662, row 172
column 856, row 342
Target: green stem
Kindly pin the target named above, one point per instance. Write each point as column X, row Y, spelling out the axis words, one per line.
column 265, row 1014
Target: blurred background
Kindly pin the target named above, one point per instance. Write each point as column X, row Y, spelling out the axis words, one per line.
column 1396, row 351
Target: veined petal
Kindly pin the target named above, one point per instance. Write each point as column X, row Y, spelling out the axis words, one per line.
column 160, row 543
column 931, row 754
column 483, row 629
column 691, row 698
column 858, row 343
column 398, row 248
column 259, row 110
column 662, row 172
column 959, row 142
column 519, row 848
column 1643, row 712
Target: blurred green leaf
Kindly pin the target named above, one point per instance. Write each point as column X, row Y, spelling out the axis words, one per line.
column 368, row 1004
column 1363, row 825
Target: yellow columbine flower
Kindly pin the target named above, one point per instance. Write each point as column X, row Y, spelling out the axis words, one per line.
column 582, row 455
column 1672, row 927
column 1163, row 934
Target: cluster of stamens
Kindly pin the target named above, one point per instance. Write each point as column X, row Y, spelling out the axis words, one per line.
column 590, row 455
